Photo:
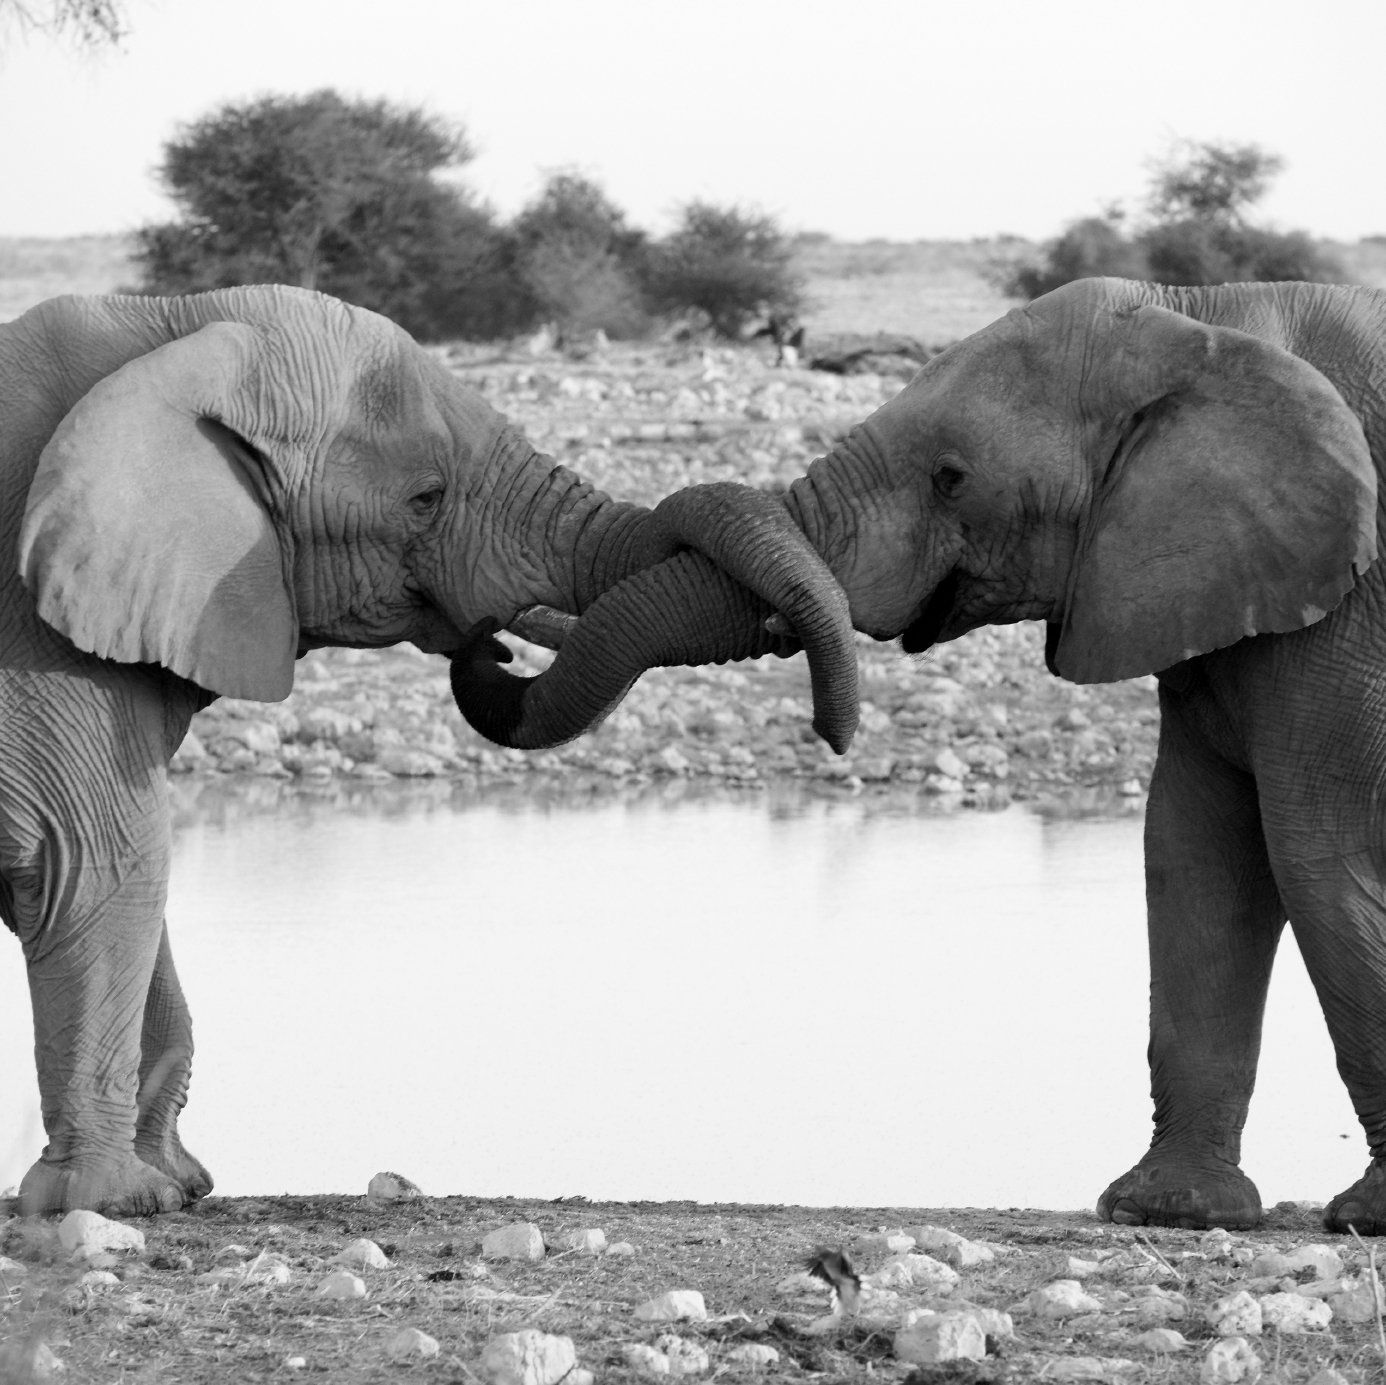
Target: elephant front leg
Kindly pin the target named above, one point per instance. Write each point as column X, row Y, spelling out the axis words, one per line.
column 90, row 928
column 1215, row 918
column 166, row 1050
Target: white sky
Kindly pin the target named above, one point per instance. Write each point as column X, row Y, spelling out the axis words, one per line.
column 902, row 119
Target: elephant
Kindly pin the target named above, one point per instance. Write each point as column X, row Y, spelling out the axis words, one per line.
column 198, row 490
column 1185, row 483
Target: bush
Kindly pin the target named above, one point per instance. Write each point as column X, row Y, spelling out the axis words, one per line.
column 579, row 260
column 1095, row 245
column 1196, row 231
column 340, row 196
column 733, row 266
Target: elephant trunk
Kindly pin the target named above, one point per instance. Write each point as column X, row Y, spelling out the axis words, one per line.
column 684, row 609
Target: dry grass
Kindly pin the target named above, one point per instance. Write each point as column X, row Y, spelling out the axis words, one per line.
column 162, row 1323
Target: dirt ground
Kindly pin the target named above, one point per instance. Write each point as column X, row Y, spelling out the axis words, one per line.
column 163, row 1320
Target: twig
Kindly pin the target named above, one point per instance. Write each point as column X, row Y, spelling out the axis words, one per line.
column 1148, row 1246
column 1376, row 1293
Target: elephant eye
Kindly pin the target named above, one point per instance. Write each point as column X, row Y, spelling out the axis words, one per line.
column 425, row 502
column 948, row 480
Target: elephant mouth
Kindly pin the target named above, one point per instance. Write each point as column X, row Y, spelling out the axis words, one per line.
column 924, row 630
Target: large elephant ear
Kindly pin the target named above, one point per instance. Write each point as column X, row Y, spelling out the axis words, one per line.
column 1242, row 501
column 145, row 539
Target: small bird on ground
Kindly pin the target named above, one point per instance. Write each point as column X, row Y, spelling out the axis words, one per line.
column 835, row 1270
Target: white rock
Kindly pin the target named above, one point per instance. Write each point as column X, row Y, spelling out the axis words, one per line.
column 263, row 1269
column 684, row 1357
column 579, row 1375
column 1155, row 1307
column 527, row 1357
column 520, row 1240
column 951, row 1248
column 753, row 1354
column 409, row 1344
column 1237, row 1315
column 89, row 1233
column 674, row 1306
column 1292, row 1313
column 620, row 1249
column 362, row 1255
column 1162, row 1340
column 589, row 1242
column 1105, row 1368
column 926, row 1337
column 1064, row 1298
column 915, row 1271
column 295, row 1363
column 392, row 1187
column 342, row 1284
column 1323, row 1260
column 1074, row 1268
column 1328, row 1376
column 1352, row 1300
column 11, row 1269
column 1229, row 1362
column 645, row 1359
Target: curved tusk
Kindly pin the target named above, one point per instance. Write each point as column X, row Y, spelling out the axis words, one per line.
column 543, row 625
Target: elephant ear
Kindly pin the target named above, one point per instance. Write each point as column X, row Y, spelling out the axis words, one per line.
column 145, row 539
column 1241, row 501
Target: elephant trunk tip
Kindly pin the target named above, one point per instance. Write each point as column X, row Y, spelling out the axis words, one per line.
column 836, row 731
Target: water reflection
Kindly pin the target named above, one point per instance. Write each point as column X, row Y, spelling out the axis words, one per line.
column 680, row 993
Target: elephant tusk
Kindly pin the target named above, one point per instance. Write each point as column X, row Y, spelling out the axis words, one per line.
column 543, row 625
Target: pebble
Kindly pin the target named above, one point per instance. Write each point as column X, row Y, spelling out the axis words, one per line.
column 882, row 1243
column 926, row 1337
column 410, row 1344
column 392, row 1187
column 362, row 1254
column 645, row 1359
column 11, row 1269
column 684, row 1357
column 589, row 1242
column 527, row 1357
column 620, row 1250
column 1161, row 1340
column 914, row 1271
column 753, row 1354
column 342, row 1284
column 1064, row 1298
column 518, row 1241
column 84, row 1233
column 1294, row 1313
column 1105, row 1368
column 954, row 1250
column 1236, row 1315
column 1230, row 1362
column 674, row 1306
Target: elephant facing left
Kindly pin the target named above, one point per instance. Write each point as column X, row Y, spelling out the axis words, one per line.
column 194, row 492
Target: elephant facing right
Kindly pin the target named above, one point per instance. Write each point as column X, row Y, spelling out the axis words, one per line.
column 1186, row 483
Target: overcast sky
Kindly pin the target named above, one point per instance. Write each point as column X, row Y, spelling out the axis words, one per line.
column 901, row 119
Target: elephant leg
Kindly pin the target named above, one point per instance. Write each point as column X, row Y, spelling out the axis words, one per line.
column 166, row 1050
column 85, row 842
column 1214, row 919
column 1337, row 906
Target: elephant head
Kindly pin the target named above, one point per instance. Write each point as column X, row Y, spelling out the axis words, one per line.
column 1115, row 461
column 233, row 478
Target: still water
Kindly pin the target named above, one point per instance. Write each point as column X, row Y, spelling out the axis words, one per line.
column 755, row 998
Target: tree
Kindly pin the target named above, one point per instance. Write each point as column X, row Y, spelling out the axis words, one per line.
column 336, row 195
column 732, row 265
column 1196, row 230
column 579, row 259
column 90, row 22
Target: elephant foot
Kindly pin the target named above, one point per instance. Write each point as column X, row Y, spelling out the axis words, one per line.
column 1174, row 1190
column 114, row 1185
column 169, row 1156
column 1363, row 1206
